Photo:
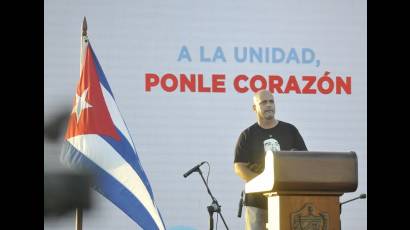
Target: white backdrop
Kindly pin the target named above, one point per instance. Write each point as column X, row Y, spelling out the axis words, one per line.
column 173, row 131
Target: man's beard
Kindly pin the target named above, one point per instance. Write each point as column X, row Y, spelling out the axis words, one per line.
column 269, row 115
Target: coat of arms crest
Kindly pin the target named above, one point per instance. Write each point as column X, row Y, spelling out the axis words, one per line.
column 308, row 218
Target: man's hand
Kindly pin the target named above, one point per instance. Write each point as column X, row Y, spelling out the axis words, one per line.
column 242, row 170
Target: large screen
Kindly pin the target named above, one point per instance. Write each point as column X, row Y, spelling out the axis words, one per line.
column 183, row 74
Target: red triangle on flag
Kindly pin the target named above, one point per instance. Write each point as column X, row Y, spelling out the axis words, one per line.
column 90, row 113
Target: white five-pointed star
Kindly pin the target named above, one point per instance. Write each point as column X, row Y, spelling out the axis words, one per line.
column 80, row 104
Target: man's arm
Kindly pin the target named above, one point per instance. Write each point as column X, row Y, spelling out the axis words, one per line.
column 299, row 142
column 244, row 172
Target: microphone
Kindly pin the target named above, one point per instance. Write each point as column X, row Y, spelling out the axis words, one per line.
column 362, row 196
column 240, row 205
column 194, row 169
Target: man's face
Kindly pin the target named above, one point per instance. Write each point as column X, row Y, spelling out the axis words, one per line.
column 264, row 105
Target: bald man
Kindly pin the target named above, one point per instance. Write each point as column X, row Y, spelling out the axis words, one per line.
column 267, row 133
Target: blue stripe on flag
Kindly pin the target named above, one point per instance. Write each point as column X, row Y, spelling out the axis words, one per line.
column 110, row 188
column 124, row 148
column 100, row 72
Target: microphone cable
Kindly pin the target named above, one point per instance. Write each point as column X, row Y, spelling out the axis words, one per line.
column 209, row 170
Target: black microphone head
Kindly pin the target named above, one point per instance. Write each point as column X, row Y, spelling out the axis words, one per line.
column 362, row 196
column 193, row 169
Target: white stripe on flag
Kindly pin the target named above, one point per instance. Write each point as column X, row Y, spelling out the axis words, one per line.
column 116, row 116
column 100, row 152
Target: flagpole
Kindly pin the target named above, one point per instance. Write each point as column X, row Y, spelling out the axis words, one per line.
column 79, row 211
column 79, row 219
column 84, row 27
column 84, row 43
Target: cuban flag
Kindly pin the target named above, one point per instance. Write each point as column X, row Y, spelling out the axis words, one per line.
column 97, row 140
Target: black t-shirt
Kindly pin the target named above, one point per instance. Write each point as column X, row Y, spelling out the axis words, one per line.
column 251, row 146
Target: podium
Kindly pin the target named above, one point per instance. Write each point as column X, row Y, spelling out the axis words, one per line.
column 303, row 188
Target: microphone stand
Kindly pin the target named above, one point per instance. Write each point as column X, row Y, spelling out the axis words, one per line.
column 214, row 207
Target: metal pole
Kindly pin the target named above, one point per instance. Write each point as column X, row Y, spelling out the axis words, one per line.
column 79, row 219
column 214, row 201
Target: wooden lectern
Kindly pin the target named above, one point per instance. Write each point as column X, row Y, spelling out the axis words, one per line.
column 303, row 188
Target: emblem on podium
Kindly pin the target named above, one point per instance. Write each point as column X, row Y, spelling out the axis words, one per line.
column 308, row 218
